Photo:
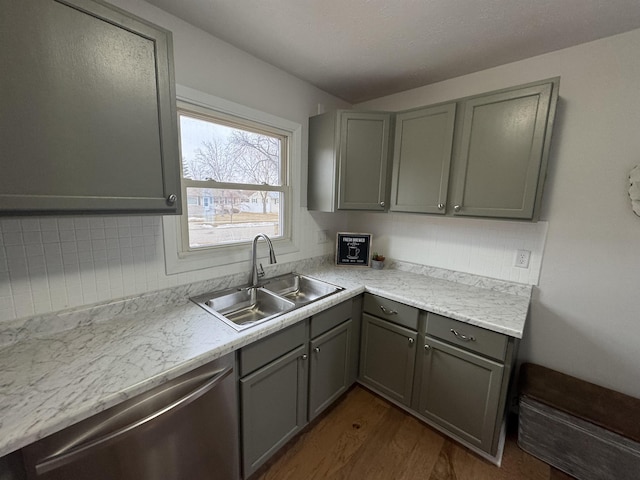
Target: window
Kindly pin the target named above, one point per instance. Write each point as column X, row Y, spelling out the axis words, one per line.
column 237, row 163
column 238, row 169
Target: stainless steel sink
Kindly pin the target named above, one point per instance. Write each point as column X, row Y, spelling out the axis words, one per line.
column 245, row 307
column 300, row 289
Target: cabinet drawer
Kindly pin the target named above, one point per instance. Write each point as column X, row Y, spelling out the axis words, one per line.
column 476, row 339
column 269, row 348
column 325, row 321
column 390, row 310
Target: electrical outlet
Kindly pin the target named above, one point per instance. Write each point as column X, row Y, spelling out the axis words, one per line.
column 323, row 236
column 522, row 258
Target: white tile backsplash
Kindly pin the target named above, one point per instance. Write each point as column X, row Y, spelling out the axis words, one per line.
column 476, row 246
column 49, row 264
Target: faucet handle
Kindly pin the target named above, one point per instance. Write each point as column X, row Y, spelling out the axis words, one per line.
column 261, row 272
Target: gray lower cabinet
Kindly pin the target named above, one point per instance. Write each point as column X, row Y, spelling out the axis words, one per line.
column 460, row 391
column 422, row 158
column 273, row 407
column 387, row 358
column 291, row 376
column 87, row 110
column 329, row 367
column 502, row 151
column 348, row 157
column 451, row 374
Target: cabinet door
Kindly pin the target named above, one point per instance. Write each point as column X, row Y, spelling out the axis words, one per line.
column 421, row 159
column 329, row 367
column 503, row 151
column 387, row 358
column 460, row 391
column 363, row 157
column 274, row 407
column 87, row 113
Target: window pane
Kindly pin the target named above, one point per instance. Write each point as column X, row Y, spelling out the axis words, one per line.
column 227, row 216
column 228, row 154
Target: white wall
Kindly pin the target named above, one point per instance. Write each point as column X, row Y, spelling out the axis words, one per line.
column 51, row 263
column 585, row 316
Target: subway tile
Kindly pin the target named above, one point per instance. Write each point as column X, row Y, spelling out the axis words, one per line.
column 65, row 223
column 112, row 243
column 83, row 235
column 49, row 224
column 36, row 249
column 35, row 263
column 85, row 256
column 111, row 232
column 97, row 234
column 98, row 245
column 83, row 246
column 81, row 223
column 30, row 224
column 69, row 247
column 110, row 222
column 10, row 225
column 50, row 236
column 96, row 222
column 12, row 238
column 67, row 236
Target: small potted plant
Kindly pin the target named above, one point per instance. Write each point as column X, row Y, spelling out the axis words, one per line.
column 377, row 261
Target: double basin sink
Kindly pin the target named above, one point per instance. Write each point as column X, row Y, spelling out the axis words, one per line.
column 245, row 307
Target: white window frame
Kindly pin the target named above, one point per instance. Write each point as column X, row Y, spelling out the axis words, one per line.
column 178, row 257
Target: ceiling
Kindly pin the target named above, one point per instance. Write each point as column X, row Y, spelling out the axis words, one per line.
column 363, row 49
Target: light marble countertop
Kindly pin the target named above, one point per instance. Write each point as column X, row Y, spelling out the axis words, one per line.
column 55, row 379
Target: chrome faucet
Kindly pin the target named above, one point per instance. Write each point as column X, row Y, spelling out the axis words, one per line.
column 254, row 267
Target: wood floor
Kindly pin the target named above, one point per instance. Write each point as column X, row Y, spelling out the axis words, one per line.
column 365, row 437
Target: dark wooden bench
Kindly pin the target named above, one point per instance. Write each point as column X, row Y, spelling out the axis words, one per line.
column 583, row 429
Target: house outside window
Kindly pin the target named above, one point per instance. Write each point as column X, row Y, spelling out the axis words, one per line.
column 238, row 171
column 276, row 210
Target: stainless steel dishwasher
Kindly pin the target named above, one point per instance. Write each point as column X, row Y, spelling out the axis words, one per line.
column 184, row 429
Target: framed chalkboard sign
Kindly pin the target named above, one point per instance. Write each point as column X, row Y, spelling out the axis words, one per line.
column 353, row 249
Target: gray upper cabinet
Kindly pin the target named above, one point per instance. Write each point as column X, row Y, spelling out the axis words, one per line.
column 421, row 159
column 348, row 157
column 502, row 151
column 87, row 110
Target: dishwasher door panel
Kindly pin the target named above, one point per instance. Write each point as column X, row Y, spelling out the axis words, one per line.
column 184, row 429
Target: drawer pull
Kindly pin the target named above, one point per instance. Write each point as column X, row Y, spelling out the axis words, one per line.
column 427, row 347
column 388, row 312
column 463, row 337
column 304, row 357
column 411, row 340
column 317, row 349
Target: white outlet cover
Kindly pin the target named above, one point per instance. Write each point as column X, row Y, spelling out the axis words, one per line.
column 634, row 189
column 522, row 258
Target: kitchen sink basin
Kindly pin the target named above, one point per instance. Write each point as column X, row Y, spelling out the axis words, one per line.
column 300, row 289
column 245, row 307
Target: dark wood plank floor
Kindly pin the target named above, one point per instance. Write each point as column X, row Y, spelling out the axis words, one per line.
column 365, row 437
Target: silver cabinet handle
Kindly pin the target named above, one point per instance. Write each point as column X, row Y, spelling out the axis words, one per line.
column 463, row 337
column 382, row 204
column 456, row 208
column 388, row 312
column 304, row 357
column 427, row 347
column 411, row 340
column 317, row 349
column 441, row 206
column 171, row 199
column 66, row 457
